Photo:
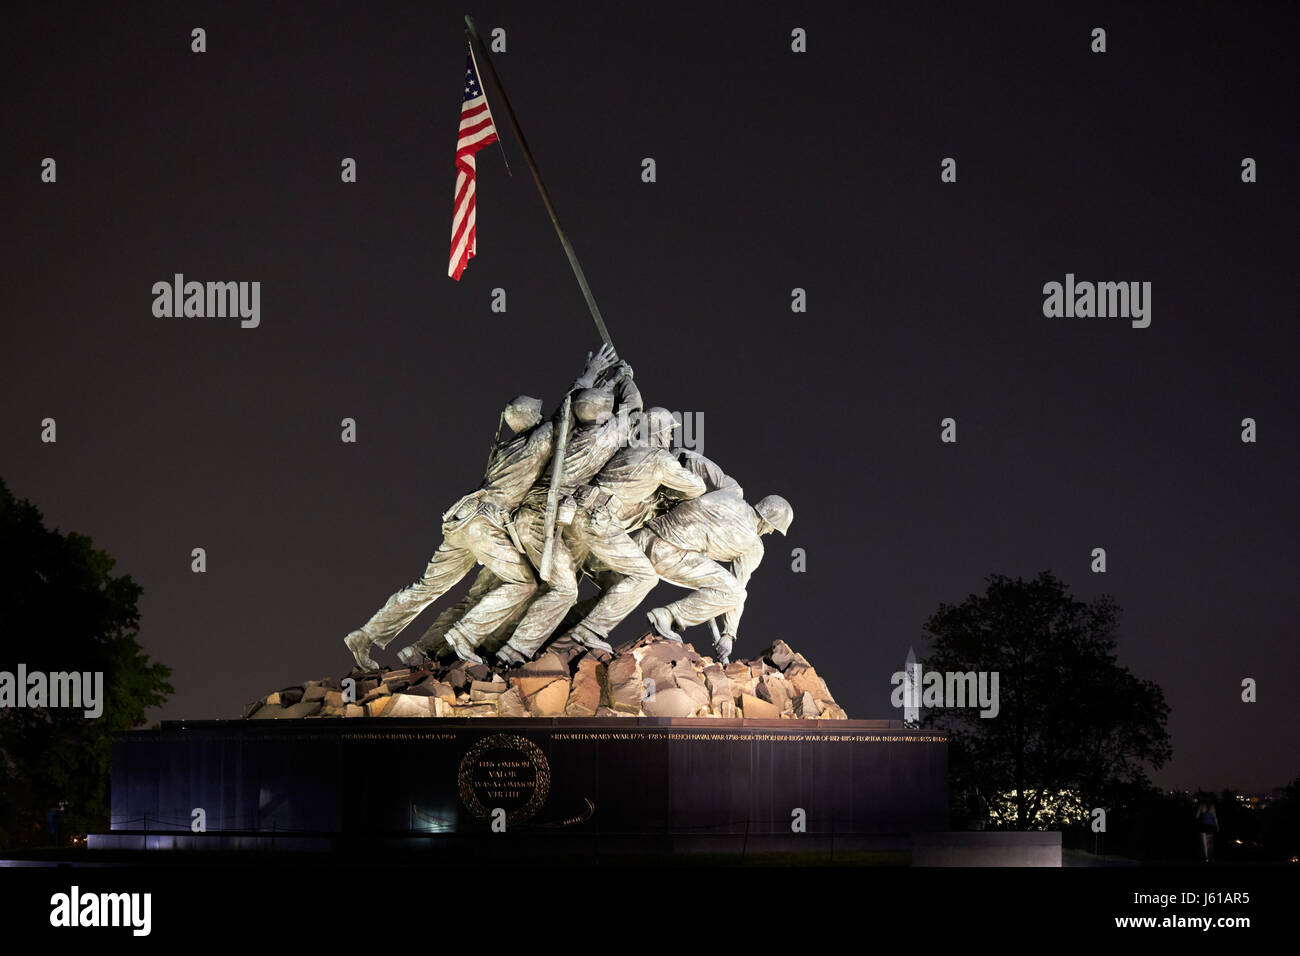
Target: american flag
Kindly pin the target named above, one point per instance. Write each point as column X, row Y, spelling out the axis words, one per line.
column 476, row 131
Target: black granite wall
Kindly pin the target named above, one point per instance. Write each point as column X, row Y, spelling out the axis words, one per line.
column 589, row 775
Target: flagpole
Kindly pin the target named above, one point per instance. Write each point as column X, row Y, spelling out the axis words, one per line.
column 537, row 178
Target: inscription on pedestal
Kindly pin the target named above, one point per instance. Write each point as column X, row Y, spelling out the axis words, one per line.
column 506, row 771
column 621, row 777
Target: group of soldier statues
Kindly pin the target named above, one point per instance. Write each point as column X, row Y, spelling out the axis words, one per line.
column 594, row 490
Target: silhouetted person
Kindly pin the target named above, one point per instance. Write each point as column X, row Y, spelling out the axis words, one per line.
column 1207, row 821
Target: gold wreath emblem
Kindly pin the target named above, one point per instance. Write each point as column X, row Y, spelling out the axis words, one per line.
column 541, row 771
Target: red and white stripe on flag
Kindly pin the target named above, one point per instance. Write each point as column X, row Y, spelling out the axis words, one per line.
column 476, row 131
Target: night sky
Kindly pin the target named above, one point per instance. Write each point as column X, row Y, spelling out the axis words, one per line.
column 775, row 170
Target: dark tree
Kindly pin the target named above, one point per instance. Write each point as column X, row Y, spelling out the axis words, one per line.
column 1074, row 731
column 1282, row 824
column 63, row 611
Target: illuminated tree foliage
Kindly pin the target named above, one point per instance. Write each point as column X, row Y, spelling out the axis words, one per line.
column 1075, row 730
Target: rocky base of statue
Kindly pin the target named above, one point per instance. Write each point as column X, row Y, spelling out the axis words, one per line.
column 651, row 677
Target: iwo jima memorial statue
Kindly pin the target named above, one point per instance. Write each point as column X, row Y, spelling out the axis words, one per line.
column 513, row 708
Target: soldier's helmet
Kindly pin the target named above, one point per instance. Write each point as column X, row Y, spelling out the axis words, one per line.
column 658, row 426
column 776, row 511
column 523, row 413
column 593, row 406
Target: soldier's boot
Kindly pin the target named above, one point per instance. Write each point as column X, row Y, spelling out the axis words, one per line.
column 464, row 650
column 661, row 619
column 508, row 655
column 590, row 639
column 411, row 656
column 359, row 643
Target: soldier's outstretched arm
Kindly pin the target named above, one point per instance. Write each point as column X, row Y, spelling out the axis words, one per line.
column 627, row 397
column 678, row 479
column 714, row 477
